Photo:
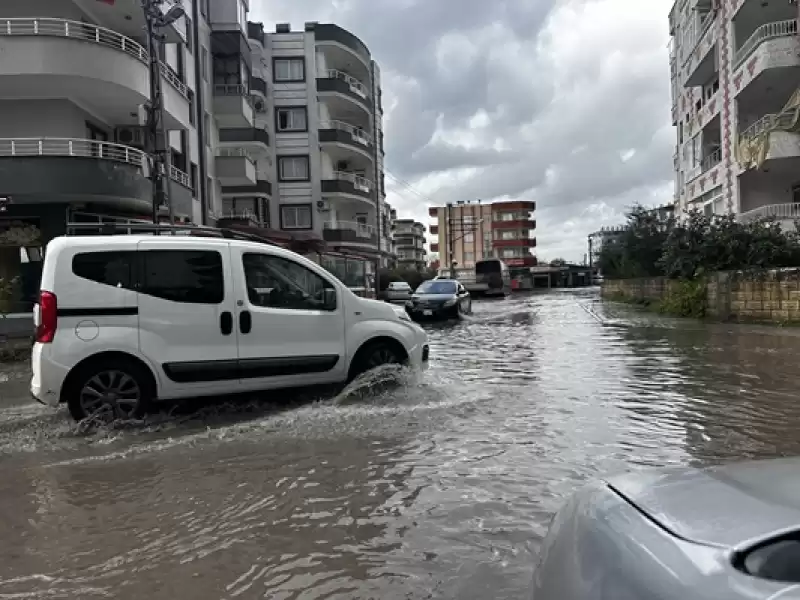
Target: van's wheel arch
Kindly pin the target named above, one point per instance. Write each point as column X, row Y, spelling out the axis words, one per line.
column 122, row 376
column 376, row 352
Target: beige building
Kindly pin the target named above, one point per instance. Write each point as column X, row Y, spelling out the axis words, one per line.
column 470, row 231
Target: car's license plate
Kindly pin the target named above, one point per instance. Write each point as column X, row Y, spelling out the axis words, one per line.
column 427, row 313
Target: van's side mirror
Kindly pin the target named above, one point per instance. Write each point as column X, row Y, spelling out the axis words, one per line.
column 329, row 298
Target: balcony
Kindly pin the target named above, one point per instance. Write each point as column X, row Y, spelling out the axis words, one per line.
column 338, row 83
column 349, row 232
column 763, row 59
column 127, row 17
column 433, row 211
column 348, row 184
column 335, row 39
column 772, row 137
column 434, row 229
column 434, row 247
column 515, row 243
column 243, row 135
column 96, row 67
column 65, row 170
column 233, row 106
column 181, row 192
column 261, row 188
column 786, row 214
column 346, row 136
column 523, row 223
column 701, row 64
column 235, row 167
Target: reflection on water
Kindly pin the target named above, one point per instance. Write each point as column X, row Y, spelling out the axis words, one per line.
column 397, row 487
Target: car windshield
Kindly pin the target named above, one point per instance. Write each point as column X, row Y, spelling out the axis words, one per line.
column 437, row 287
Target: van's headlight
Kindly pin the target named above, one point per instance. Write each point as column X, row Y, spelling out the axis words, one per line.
column 451, row 301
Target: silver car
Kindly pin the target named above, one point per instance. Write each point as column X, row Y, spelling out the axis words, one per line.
column 398, row 291
column 730, row 532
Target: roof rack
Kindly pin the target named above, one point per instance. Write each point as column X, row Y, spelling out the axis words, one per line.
column 157, row 229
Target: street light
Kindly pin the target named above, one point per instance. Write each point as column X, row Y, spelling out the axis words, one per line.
column 155, row 20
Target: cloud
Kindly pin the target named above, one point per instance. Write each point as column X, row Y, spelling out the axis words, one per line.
column 565, row 102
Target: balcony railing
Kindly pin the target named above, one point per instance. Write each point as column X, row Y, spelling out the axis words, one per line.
column 768, row 31
column 690, row 43
column 356, row 180
column 360, row 229
column 358, row 133
column 786, row 211
column 25, row 26
column 236, row 152
column 355, row 85
column 72, row 147
column 711, row 161
column 183, row 178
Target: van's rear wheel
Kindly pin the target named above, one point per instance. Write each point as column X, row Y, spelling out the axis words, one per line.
column 111, row 389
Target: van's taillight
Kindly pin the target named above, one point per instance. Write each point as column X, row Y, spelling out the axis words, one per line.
column 47, row 317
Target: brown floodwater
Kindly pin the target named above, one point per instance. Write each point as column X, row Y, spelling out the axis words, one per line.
column 438, row 488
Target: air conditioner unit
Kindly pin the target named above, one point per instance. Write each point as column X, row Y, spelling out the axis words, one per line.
column 260, row 105
column 323, row 206
column 131, row 136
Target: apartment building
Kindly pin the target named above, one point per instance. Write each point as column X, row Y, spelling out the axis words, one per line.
column 735, row 70
column 470, row 231
column 281, row 131
column 73, row 80
column 409, row 240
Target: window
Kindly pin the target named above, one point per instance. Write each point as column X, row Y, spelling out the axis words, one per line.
column 277, row 282
column 204, row 8
column 293, row 168
column 469, row 238
column 204, row 62
column 296, row 216
column 292, row 118
column 193, row 175
column 207, row 129
column 192, row 107
column 109, row 268
column 469, row 257
column 189, row 34
column 188, row 276
column 508, row 235
column 288, row 69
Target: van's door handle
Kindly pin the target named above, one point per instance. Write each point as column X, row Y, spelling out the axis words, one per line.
column 226, row 323
column 245, row 321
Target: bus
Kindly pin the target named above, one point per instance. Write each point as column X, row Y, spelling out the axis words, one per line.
column 493, row 276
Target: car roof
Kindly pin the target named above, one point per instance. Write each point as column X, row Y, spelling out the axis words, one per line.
column 444, row 280
column 127, row 240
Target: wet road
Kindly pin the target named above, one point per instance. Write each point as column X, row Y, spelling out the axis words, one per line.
column 439, row 489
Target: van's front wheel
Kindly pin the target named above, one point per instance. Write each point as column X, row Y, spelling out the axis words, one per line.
column 374, row 355
column 110, row 390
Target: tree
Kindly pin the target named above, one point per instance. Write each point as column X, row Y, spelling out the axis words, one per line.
column 558, row 262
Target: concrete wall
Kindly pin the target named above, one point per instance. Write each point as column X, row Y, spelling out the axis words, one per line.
column 730, row 296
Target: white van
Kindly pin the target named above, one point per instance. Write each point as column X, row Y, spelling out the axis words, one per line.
column 123, row 320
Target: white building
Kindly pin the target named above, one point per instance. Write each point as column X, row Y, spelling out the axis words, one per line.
column 281, row 128
column 735, row 67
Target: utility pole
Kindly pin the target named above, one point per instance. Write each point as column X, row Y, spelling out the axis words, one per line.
column 157, row 138
column 456, row 230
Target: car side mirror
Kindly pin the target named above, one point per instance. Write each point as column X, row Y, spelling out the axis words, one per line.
column 329, row 299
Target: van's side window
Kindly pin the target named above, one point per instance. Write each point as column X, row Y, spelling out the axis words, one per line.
column 109, row 268
column 190, row 276
column 280, row 283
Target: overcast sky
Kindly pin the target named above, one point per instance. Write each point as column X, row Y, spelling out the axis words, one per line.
column 565, row 102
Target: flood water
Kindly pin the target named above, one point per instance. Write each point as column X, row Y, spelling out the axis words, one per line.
column 441, row 488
